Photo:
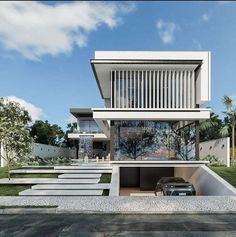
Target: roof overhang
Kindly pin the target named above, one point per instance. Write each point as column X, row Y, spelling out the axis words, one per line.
column 96, row 136
column 82, row 112
column 152, row 114
column 101, row 116
column 102, row 69
column 106, row 61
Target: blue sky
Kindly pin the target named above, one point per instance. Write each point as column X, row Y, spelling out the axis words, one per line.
column 45, row 50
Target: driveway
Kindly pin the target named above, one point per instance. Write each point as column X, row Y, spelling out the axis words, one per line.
column 117, row 225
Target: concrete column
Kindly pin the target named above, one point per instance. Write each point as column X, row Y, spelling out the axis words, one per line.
column 197, row 140
column 112, row 142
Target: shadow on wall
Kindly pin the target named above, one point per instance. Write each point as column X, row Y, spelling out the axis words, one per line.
column 43, row 151
column 219, row 148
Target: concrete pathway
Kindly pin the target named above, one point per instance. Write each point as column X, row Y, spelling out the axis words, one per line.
column 71, row 186
column 73, row 181
column 79, row 176
column 32, row 192
column 88, row 167
column 47, row 181
column 73, row 171
column 107, row 204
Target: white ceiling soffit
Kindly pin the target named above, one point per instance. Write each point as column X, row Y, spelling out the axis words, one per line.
column 102, row 71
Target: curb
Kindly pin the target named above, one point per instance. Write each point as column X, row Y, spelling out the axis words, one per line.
column 85, row 212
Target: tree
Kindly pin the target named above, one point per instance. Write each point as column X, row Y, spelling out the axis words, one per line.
column 229, row 121
column 210, row 128
column 133, row 141
column 48, row 134
column 71, row 127
column 14, row 132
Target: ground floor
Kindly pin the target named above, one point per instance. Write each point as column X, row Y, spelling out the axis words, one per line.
column 217, row 225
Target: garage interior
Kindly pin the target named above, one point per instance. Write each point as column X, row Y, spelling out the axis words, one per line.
column 141, row 181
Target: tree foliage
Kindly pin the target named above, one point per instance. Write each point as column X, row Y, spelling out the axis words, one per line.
column 210, row 128
column 14, row 132
column 46, row 133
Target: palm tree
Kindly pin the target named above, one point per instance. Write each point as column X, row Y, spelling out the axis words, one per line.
column 230, row 121
column 209, row 129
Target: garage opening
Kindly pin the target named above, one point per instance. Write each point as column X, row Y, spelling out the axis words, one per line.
column 141, row 181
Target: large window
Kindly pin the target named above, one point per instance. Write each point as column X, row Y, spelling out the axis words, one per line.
column 154, row 140
column 88, row 126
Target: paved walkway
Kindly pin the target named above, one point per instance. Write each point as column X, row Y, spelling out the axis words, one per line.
column 71, row 186
column 60, row 171
column 50, row 225
column 73, row 181
column 162, row 204
column 47, row 181
column 61, row 192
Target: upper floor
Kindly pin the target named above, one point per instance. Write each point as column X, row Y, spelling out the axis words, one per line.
column 153, row 80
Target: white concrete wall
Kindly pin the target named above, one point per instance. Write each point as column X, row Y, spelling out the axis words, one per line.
column 219, row 148
column 205, row 181
column 43, row 151
column 50, row 151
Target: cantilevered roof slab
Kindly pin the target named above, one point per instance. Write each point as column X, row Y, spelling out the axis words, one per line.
column 151, row 114
column 107, row 61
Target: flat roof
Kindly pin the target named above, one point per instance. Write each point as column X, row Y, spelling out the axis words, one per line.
column 81, row 112
column 107, row 61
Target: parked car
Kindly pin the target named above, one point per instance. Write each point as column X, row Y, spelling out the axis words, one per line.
column 174, row 186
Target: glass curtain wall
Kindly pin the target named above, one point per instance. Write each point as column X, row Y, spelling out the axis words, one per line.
column 154, row 140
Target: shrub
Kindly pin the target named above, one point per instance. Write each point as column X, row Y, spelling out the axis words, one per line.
column 37, row 160
column 214, row 161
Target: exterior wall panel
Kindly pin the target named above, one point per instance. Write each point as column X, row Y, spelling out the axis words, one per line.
column 153, row 89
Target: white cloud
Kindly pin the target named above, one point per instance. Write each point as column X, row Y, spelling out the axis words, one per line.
column 35, row 113
column 205, row 17
column 71, row 119
column 35, row 29
column 166, row 31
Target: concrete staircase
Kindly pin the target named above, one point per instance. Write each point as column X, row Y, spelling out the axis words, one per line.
column 74, row 181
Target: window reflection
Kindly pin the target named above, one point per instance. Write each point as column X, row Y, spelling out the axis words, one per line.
column 154, row 140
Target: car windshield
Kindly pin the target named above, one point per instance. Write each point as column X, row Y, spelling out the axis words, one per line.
column 172, row 180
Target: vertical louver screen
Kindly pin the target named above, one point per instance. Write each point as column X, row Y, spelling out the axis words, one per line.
column 153, row 89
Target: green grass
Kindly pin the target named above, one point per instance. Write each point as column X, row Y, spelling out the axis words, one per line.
column 36, row 168
column 34, row 175
column 105, row 192
column 3, row 174
column 227, row 173
column 27, row 206
column 105, row 178
column 14, row 189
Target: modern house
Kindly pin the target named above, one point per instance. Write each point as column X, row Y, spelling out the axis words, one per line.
column 149, row 126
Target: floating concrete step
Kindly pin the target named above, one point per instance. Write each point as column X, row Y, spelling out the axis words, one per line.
column 98, row 164
column 79, row 176
column 59, row 171
column 38, row 166
column 47, row 181
column 71, row 186
column 82, row 167
column 31, row 192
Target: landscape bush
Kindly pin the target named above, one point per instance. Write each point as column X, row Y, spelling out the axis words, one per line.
column 56, row 160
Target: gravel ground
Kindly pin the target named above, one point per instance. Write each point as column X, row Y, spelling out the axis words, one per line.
column 130, row 204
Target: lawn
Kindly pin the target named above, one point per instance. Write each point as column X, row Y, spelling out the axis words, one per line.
column 227, row 173
column 105, row 178
column 14, row 189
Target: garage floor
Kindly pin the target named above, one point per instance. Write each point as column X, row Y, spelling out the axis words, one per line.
column 135, row 192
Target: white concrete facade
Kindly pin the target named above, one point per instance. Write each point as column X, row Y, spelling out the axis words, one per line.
column 179, row 62
column 219, row 148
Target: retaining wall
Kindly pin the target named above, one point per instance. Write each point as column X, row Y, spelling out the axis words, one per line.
column 219, row 148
